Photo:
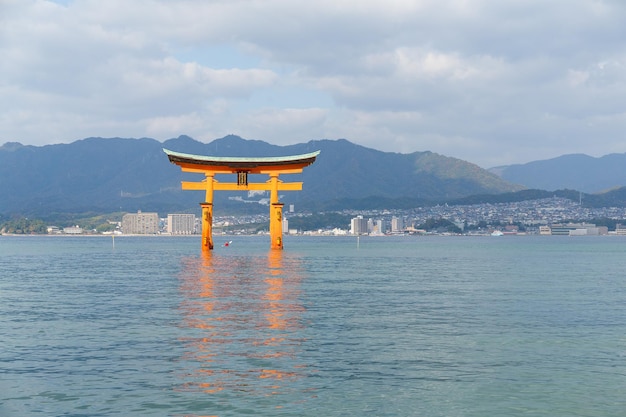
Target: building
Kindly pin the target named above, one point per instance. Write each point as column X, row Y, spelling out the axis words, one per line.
column 140, row 223
column 545, row 230
column 358, row 226
column 578, row 229
column 397, row 225
column 379, row 228
column 73, row 230
column 620, row 229
column 181, row 224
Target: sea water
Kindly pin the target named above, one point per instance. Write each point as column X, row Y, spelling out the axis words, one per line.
column 331, row 326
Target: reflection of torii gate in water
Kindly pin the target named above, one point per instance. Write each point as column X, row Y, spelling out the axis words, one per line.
column 272, row 166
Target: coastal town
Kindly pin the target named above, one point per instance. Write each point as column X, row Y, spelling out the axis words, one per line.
column 550, row 216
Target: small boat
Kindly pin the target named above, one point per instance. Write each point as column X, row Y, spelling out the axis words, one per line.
column 497, row 233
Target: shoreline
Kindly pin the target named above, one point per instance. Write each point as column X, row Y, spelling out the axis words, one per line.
column 610, row 234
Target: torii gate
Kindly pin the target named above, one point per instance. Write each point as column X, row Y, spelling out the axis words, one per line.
column 272, row 166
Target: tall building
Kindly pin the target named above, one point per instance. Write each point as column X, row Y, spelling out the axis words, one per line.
column 379, row 228
column 181, row 224
column 397, row 225
column 358, row 226
column 140, row 223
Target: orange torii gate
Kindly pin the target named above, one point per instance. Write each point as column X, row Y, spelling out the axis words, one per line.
column 212, row 165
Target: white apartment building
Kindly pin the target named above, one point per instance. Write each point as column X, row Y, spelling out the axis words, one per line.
column 140, row 223
column 181, row 224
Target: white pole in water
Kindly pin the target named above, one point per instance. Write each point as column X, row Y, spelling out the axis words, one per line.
column 358, row 241
column 113, row 239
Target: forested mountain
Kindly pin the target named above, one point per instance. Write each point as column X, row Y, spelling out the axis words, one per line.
column 115, row 174
column 574, row 172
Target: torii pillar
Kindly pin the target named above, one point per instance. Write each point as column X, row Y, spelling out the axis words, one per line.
column 271, row 166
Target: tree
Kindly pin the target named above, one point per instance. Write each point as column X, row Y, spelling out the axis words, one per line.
column 24, row 226
column 440, row 225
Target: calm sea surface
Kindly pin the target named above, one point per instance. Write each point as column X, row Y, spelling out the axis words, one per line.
column 393, row 326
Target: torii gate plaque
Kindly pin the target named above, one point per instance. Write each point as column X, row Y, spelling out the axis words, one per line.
column 272, row 166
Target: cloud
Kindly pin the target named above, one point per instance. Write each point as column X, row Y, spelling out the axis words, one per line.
column 489, row 82
column 295, row 125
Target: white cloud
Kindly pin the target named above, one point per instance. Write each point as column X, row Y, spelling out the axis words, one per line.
column 287, row 126
column 472, row 79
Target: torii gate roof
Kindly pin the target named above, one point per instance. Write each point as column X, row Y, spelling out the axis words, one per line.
column 234, row 164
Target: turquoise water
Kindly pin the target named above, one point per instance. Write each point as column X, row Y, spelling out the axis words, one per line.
column 427, row 326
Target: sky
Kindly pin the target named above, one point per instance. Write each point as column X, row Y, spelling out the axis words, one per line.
column 492, row 82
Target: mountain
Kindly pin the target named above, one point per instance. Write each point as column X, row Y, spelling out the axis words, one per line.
column 576, row 172
column 116, row 174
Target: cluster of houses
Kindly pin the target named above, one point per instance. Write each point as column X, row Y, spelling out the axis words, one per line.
column 544, row 217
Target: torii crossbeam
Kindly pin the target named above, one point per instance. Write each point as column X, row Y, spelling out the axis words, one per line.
column 212, row 165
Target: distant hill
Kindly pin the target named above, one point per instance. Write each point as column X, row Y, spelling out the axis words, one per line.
column 612, row 198
column 115, row 174
column 575, row 172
